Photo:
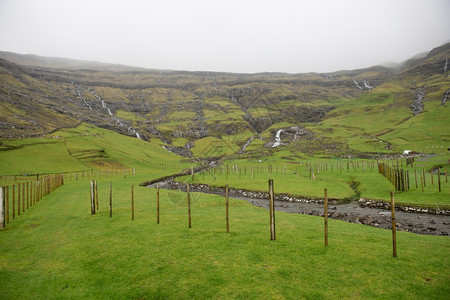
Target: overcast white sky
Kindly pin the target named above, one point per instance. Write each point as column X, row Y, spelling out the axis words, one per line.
column 228, row 35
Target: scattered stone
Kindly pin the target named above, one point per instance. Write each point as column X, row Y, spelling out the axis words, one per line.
column 345, row 212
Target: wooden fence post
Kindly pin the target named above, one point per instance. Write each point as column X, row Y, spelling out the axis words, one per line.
column 325, row 215
column 446, row 181
column 227, row 208
column 96, row 193
column 394, row 236
column 31, row 194
column 18, row 199
column 28, row 196
column 39, row 190
column 35, row 192
column 272, row 210
column 157, row 203
column 421, row 181
column 110, row 200
column 415, row 177
column 13, row 201
column 2, row 207
column 23, row 197
column 189, row 204
column 439, row 179
column 407, row 180
column 132, row 201
column 92, row 198
column 7, row 203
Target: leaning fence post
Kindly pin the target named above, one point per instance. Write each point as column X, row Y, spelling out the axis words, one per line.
column 394, row 236
column 325, row 215
column 272, row 211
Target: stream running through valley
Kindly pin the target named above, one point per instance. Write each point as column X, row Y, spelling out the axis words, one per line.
column 359, row 212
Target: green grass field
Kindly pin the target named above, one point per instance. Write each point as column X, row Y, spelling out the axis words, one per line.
column 295, row 178
column 58, row 250
column 85, row 147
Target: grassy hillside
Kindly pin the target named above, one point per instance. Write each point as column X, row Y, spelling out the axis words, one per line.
column 66, row 120
column 347, row 112
column 83, row 148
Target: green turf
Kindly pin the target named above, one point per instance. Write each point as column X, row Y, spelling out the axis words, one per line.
column 37, row 155
column 83, row 148
column 295, row 178
column 58, row 250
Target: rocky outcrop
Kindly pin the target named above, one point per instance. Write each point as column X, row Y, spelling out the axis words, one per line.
column 417, row 105
column 152, row 104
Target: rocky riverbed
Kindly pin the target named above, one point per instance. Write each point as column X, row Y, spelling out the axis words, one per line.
column 366, row 212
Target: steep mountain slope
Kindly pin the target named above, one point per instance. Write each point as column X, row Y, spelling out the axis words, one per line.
column 408, row 111
column 208, row 113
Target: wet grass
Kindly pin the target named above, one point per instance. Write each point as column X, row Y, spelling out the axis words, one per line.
column 58, row 250
column 294, row 177
column 83, row 148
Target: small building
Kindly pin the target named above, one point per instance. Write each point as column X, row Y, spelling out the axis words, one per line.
column 407, row 152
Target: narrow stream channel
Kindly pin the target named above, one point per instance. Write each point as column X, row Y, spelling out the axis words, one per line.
column 355, row 212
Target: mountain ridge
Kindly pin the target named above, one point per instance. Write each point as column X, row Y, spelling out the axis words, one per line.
column 180, row 109
column 77, row 64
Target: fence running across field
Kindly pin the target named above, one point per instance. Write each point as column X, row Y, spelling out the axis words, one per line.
column 75, row 175
column 20, row 192
column 401, row 178
column 16, row 198
column 95, row 207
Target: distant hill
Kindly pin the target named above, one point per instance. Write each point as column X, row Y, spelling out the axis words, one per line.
column 63, row 63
